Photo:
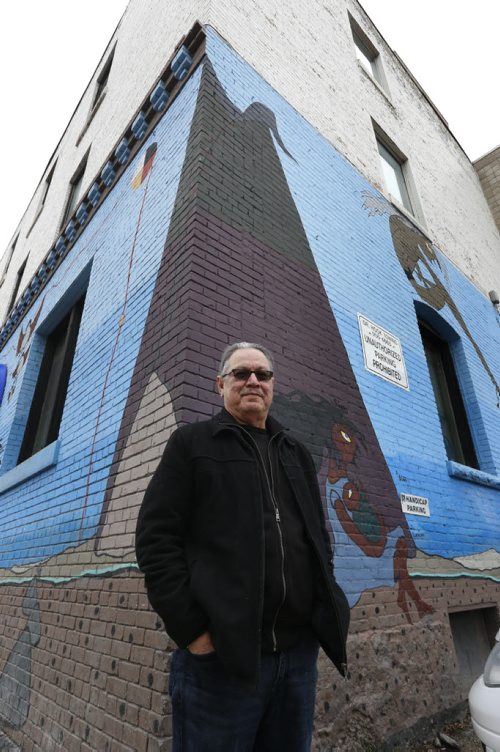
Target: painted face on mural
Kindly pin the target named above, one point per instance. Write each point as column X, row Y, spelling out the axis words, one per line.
column 350, row 496
column 247, row 401
column 344, row 442
column 419, row 261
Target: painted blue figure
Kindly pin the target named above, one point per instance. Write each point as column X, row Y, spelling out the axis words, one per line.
column 369, row 551
column 353, row 573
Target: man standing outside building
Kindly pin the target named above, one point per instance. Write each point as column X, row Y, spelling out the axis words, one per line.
column 232, row 541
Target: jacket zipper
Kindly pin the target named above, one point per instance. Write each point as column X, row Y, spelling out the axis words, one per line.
column 277, row 517
column 343, row 664
column 282, row 548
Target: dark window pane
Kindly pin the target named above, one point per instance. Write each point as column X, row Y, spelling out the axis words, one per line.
column 52, row 384
column 46, row 186
column 9, row 259
column 392, row 170
column 17, row 285
column 456, row 432
column 102, row 81
column 74, row 195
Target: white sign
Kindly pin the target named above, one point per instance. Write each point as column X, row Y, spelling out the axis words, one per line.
column 382, row 353
column 411, row 504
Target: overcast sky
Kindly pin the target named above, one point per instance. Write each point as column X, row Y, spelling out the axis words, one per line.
column 49, row 50
column 451, row 47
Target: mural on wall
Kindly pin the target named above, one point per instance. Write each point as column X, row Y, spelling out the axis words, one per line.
column 15, row 674
column 277, row 297
column 420, row 263
column 14, row 546
column 236, row 263
column 361, row 528
column 116, row 257
column 142, row 176
column 23, row 346
column 474, row 553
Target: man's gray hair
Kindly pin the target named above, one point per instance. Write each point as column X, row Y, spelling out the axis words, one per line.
column 230, row 349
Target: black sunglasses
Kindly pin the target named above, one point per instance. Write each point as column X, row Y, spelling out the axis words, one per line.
column 243, row 374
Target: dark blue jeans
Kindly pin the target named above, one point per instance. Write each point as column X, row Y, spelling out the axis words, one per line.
column 213, row 713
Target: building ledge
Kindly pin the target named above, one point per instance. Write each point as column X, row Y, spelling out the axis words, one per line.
column 456, row 470
column 179, row 68
column 43, row 459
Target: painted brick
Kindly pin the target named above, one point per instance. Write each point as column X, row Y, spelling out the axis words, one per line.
column 238, row 239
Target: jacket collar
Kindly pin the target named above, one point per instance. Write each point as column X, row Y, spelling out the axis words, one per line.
column 224, row 420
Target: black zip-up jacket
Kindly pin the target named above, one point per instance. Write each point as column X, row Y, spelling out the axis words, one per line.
column 200, row 542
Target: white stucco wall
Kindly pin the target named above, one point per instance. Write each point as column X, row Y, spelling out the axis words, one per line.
column 306, row 52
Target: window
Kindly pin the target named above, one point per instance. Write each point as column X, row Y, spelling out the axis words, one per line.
column 43, row 196
column 366, row 57
column 47, row 405
column 393, row 166
column 45, row 188
column 102, row 82
column 17, row 285
column 75, row 187
column 9, row 259
column 366, row 53
column 450, row 406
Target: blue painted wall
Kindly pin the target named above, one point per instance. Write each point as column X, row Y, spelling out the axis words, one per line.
column 61, row 506
column 347, row 224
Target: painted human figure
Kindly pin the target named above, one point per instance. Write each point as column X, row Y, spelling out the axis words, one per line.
column 275, row 294
column 359, row 528
column 420, row 263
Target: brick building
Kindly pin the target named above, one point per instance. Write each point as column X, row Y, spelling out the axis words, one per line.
column 488, row 170
column 270, row 176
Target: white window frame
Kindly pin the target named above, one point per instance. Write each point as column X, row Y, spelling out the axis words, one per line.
column 396, row 174
column 368, row 55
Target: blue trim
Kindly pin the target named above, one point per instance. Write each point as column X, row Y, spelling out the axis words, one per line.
column 456, row 470
column 46, row 457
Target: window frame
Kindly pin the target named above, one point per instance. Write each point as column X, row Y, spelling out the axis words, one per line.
column 102, row 82
column 10, row 254
column 367, row 54
column 17, row 286
column 415, row 213
column 44, row 417
column 46, row 187
column 43, row 197
column 75, row 188
column 450, row 406
column 396, row 163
